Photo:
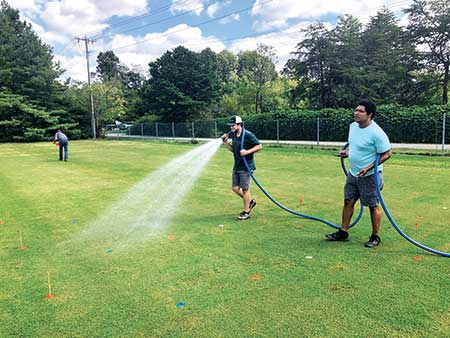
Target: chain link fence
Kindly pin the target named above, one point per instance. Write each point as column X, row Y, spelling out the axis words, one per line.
column 414, row 130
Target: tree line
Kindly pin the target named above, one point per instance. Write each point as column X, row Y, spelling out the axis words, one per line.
column 329, row 68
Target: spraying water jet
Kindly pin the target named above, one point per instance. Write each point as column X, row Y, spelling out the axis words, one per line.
column 146, row 209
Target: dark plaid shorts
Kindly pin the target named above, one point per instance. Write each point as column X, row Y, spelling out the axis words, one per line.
column 241, row 179
column 363, row 188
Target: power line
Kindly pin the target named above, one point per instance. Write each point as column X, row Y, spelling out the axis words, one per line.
column 394, row 4
column 65, row 46
column 204, row 44
column 136, row 18
column 267, row 35
column 166, row 19
column 121, row 23
column 170, row 33
column 176, row 3
column 391, row 5
column 398, row 3
column 193, row 26
column 73, row 64
column 161, row 9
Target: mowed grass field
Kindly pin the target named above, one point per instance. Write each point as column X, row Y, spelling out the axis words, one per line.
column 270, row 276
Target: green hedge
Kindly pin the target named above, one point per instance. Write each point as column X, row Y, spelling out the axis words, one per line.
column 402, row 124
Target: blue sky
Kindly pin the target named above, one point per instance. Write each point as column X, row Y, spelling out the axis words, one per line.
column 139, row 31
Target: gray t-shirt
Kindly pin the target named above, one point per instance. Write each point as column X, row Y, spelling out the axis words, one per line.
column 61, row 137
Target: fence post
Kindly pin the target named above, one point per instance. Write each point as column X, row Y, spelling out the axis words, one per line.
column 215, row 129
column 278, row 131
column 318, row 130
column 193, row 132
column 142, row 129
column 156, row 129
column 173, row 130
column 443, row 135
column 129, row 130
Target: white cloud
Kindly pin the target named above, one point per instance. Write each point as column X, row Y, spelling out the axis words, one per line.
column 71, row 19
column 155, row 44
column 263, row 26
column 216, row 7
column 138, row 51
column 213, row 9
column 27, row 7
column 75, row 67
column 186, row 6
column 109, row 8
column 403, row 20
column 275, row 14
column 48, row 37
column 67, row 18
column 284, row 42
column 228, row 19
column 61, row 20
column 136, row 61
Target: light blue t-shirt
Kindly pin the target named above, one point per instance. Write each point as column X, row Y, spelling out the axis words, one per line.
column 364, row 145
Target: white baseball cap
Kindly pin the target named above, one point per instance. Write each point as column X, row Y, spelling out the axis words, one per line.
column 234, row 120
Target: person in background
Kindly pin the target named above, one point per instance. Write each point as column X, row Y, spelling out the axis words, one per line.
column 365, row 139
column 63, row 141
column 240, row 175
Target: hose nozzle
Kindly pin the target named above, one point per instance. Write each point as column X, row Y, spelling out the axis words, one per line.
column 227, row 135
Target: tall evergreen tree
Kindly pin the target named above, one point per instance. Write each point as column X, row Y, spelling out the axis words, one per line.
column 315, row 53
column 429, row 25
column 108, row 66
column 296, row 72
column 26, row 64
column 31, row 98
column 390, row 58
column 347, row 62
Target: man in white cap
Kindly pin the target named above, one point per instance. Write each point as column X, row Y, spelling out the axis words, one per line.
column 240, row 175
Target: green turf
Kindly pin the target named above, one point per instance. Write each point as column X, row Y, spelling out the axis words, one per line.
column 345, row 290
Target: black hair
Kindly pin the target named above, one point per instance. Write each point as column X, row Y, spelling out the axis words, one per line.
column 370, row 106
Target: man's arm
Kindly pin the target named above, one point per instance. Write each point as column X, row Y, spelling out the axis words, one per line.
column 256, row 148
column 225, row 141
column 383, row 157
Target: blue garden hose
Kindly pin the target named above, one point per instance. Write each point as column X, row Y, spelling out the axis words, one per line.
column 395, row 225
column 314, row 218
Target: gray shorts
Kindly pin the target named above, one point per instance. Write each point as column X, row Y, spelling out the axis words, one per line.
column 240, row 179
column 363, row 188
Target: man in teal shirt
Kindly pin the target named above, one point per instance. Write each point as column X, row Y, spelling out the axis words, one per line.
column 366, row 139
column 240, row 175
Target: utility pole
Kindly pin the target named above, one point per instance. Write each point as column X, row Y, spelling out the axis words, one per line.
column 86, row 43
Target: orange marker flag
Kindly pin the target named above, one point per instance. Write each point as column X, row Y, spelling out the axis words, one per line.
column 49, row 295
